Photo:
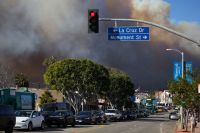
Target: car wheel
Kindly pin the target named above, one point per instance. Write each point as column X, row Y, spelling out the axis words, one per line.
column 49, row 125
column 65, row 123
column 73, row 124
column 30, row 126
column 9, row 129
column 42, row 125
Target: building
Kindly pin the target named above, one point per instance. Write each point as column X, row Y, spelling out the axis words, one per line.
column 163, row 97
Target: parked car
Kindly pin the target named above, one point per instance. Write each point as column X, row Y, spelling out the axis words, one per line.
column 86, row 117
column 146, row 113
column 49, row 108
column 29, row 119
column 113, row 114
column 7, row 118
column 140, row 113
column 173, row 115
column 61, row 117
column 100, row 116
column 131, row 115
column 124, row 115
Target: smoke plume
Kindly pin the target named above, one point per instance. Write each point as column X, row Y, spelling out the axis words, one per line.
column 32, row 30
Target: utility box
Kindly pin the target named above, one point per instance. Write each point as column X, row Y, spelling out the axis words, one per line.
column 7, row 96
column 21, row 99
column 25, row 101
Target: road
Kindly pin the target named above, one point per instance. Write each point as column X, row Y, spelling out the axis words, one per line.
column 158, row 123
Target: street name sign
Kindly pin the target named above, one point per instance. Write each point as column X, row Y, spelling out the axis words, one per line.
column 177, row 70
column 187, row 70
column 128, row 33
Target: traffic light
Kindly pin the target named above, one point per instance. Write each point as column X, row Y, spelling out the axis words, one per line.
column 93, row 21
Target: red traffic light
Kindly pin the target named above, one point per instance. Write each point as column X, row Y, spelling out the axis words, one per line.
column 92, row 14
column 93, row 21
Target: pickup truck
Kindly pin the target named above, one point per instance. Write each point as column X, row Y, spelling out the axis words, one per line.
column 7, row 118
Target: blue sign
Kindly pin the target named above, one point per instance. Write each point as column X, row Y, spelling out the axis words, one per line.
column 177, row 70
column 188, row 71
column 128, row 33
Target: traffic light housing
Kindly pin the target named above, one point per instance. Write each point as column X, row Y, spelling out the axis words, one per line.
column 93, row 21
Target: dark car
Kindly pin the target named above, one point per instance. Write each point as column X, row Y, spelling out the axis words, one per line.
column 86, row 117
column 7, row 118
column 131, row 115
column 100, row 116
column 124, row 115
column 61, row 117
column 146, row 113
column 49, row 108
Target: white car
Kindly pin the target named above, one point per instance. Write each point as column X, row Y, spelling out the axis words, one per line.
column 29, row 119
column 113, row 114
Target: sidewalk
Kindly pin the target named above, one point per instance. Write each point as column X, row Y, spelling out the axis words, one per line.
column 197, row 129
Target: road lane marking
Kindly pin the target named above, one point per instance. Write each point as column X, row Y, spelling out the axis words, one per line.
column 161, row 130
column 91, row 129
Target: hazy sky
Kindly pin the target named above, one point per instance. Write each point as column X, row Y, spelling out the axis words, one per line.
column 185, row 10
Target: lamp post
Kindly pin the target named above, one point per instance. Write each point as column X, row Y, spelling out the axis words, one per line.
column 182, row 60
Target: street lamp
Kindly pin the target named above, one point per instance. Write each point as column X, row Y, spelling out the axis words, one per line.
column 182, row 60
column 182, row 55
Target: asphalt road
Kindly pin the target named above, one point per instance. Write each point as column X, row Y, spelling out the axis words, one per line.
column 158, row 123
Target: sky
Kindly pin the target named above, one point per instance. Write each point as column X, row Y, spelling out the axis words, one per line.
column 185, row 10
column 32, row 30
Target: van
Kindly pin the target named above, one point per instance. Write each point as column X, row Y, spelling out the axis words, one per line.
column 7, row 118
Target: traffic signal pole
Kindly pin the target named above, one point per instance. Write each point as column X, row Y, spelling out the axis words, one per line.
column 153, row 24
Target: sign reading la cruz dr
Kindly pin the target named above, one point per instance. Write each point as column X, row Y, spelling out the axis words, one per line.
column 128, row 33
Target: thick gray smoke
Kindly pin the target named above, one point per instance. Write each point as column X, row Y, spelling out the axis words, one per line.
column 31, row 30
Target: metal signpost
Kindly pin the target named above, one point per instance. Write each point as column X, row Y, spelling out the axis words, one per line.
column 129, row 33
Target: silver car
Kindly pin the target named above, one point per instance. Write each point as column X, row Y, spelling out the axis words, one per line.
column 174, row 115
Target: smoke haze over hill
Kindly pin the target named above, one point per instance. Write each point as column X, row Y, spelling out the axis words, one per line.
column 32, row 30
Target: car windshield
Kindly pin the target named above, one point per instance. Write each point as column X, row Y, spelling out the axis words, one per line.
column 23, row 113
column 58, row 113
column 84, row 113
column 110, row 111
column 98, row 112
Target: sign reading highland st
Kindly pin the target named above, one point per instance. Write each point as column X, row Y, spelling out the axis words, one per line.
column 128, row 33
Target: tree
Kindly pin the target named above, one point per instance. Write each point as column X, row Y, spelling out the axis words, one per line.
column 6, row 76
column 46, row 98
column 185, row 93
column 72, row 76
column 49, row 61
column 121, row 88
column 21, row 80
